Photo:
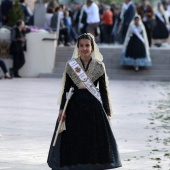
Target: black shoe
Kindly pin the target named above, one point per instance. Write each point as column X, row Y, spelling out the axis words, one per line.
column 158, row 45
column 67, row 44
column 17, row 76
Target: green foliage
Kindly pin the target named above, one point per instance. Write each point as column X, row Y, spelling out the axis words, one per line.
column 16, row 13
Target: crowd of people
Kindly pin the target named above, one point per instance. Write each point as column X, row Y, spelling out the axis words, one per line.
column 135, row 26
column 109, row 23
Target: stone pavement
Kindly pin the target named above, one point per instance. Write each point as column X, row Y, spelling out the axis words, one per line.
column 140, row 123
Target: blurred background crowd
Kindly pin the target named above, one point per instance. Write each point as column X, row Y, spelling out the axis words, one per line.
column 107, row 20
column 137, row 25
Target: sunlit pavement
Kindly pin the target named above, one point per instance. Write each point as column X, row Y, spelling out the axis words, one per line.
column 28, row 111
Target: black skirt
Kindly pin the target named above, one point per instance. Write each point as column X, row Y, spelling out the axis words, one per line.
column 88, row 142
column 135, row 48
column 160, row 31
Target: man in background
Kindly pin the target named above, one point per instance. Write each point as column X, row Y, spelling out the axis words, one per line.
column 5, row 8
column 93, row 18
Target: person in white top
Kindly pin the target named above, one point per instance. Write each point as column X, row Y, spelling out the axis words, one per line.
column 169, row 7
column 93, row 17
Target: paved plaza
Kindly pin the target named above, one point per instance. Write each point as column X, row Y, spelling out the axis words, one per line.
column 28, row 111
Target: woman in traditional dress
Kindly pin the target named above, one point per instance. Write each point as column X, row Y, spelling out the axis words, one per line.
column 160, row 31
column 136, row 49
column 88, row 142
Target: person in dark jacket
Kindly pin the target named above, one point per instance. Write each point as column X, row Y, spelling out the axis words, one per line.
column 5, row 8
column 128, row 12
column 146, row 12
column 25, row 11
column 18, row 46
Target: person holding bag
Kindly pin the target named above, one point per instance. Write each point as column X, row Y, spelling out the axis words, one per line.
column 88, row 141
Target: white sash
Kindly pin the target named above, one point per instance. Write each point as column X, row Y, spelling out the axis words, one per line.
column 85, row 79
column 136, row 31
column 161, row 18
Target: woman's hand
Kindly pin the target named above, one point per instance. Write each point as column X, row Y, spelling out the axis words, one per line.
column 60, row 117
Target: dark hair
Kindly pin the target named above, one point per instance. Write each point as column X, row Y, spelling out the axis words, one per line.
column 85, row 36
column 19, row 22
column 57, row 8
column 136, row 17
column 61, row 6
column 22, row 1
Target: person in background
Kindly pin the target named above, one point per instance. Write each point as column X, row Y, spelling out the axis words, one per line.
column 50, row 12
column 27, row 15
column 51, row 4
column 5, row 8
column 128, row 12
column 146, row 12
column 168, row 9
column 116, row 36
column 93, row 18
column 4, row 69
column 57, row 24
column 82, row 23
column 160, row 31
column 76, row 16
column 136, row 49
column 165, row 6
column 68, row 23
column 107, row 21
column 18, row 46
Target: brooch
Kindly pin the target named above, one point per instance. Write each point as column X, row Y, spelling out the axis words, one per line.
column 78, row 69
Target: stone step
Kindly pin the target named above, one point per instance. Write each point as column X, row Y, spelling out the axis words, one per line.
column 159, row 71
column 127, row 71
column 117, row 77
column 109, row 65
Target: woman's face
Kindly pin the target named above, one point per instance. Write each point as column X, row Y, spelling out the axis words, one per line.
column 85, row 48
column 137, row 21
column 22, row 25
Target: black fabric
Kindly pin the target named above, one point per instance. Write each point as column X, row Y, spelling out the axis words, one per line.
column 86, row 68
column 88, row 142
column 107, row 33
column 102, row 88
column 148, row 31
column 17, row 49
column 160, row 31
column 5, row 9
column 127, row 18
column 64, row 32
column 135, row 48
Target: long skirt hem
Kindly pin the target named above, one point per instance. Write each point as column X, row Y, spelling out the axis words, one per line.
column 88, row 142
column 143, row 62
column 89, row 167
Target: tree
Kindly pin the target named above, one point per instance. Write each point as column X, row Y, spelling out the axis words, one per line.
column 16, row 13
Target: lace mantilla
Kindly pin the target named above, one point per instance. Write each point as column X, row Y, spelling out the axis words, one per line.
column 95, row 70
